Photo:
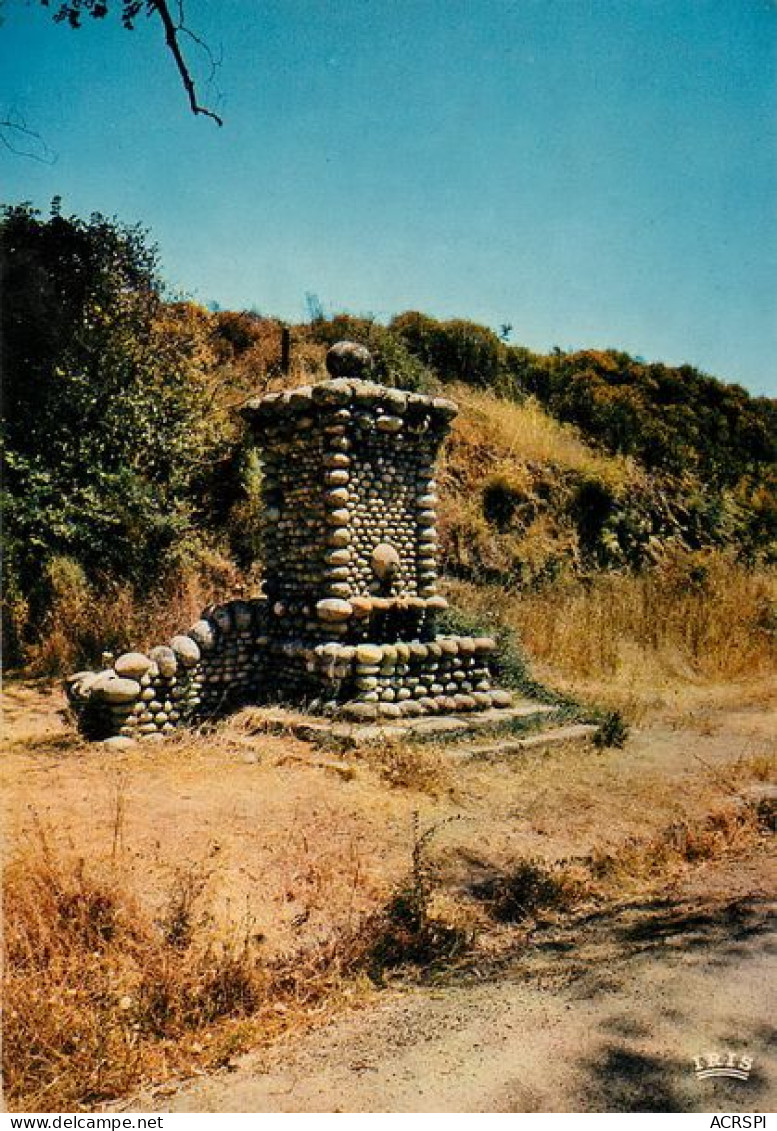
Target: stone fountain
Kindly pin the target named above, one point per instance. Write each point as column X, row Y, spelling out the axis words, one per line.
column 346, row 628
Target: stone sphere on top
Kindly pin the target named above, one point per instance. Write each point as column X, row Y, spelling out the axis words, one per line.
column 349, row 359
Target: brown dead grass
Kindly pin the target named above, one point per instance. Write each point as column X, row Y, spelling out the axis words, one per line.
column 508, row 477
column 104, row 994
column 84, row 620
column 732, row 828
column 635, row 641
column 525, row 433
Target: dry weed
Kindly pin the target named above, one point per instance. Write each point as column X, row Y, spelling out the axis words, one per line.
column 525, row 432
column 536, row 890
column 728, row 829
column 759, row 766
column 411, row 766
column 530, row 886
column 695, row 619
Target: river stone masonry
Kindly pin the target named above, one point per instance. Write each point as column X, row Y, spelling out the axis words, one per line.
column 350, row 545
column 201, row 674
column 347, row 624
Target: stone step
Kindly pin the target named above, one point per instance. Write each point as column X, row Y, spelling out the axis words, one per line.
column 523, row 713
column 576, row 732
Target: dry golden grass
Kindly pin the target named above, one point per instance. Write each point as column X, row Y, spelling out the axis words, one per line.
column 526, row 433
column 508, row 478
column 406, row 766
column 691, row 621
column 104, row 994
column 192, row 904
column 83, row 621
column 105, row 991
column 96, row 990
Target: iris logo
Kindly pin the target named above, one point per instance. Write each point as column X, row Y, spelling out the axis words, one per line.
column 715, row 1064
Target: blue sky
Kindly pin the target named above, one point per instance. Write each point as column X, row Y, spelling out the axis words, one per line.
column 595, row 172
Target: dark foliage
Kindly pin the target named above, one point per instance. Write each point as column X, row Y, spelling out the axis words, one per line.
column 710, row 446
column 672, row 419
column 613, row 731
column 455, row 350
column 104, row 421
column 395, row 364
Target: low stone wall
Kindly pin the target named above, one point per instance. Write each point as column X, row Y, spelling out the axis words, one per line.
column 200, row 674
column 228, row 659
column 407, row 679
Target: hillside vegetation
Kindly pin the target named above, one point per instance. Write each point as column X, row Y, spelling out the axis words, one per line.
column 168, row 907
column 131, row 492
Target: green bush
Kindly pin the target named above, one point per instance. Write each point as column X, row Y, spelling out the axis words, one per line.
column 672, row 419
column 455, row 350
column 106, row 424
column 395, row 364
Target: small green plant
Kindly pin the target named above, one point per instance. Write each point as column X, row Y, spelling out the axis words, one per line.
column 613, row 731
column 531, row 886
column 179, row 922
column 407, row 933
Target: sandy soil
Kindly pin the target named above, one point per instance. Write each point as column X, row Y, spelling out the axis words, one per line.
column 605, row 1015
column 600, row 1014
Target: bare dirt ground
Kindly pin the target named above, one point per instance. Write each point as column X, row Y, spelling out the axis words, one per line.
column 606, row 1015
column 598, row 1011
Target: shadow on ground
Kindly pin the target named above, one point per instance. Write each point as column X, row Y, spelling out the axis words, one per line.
column 641, row 1055
column 624, row 1079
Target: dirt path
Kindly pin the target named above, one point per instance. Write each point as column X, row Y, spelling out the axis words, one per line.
column 606, row 1015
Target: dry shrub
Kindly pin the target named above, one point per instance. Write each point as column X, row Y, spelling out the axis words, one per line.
column 104, row 992
column 85, row 620
column 729, row 829
column 408, row 933
column 415, row 924
column 693, row 618
column 409, row 930
column 98, row 993
column 100, row 997
column 529, row 887
column 532, row 888
column 405, row 766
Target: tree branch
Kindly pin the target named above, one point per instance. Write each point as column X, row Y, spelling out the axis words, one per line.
column 73, row 11
column 172, row 31
column 17, row 136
